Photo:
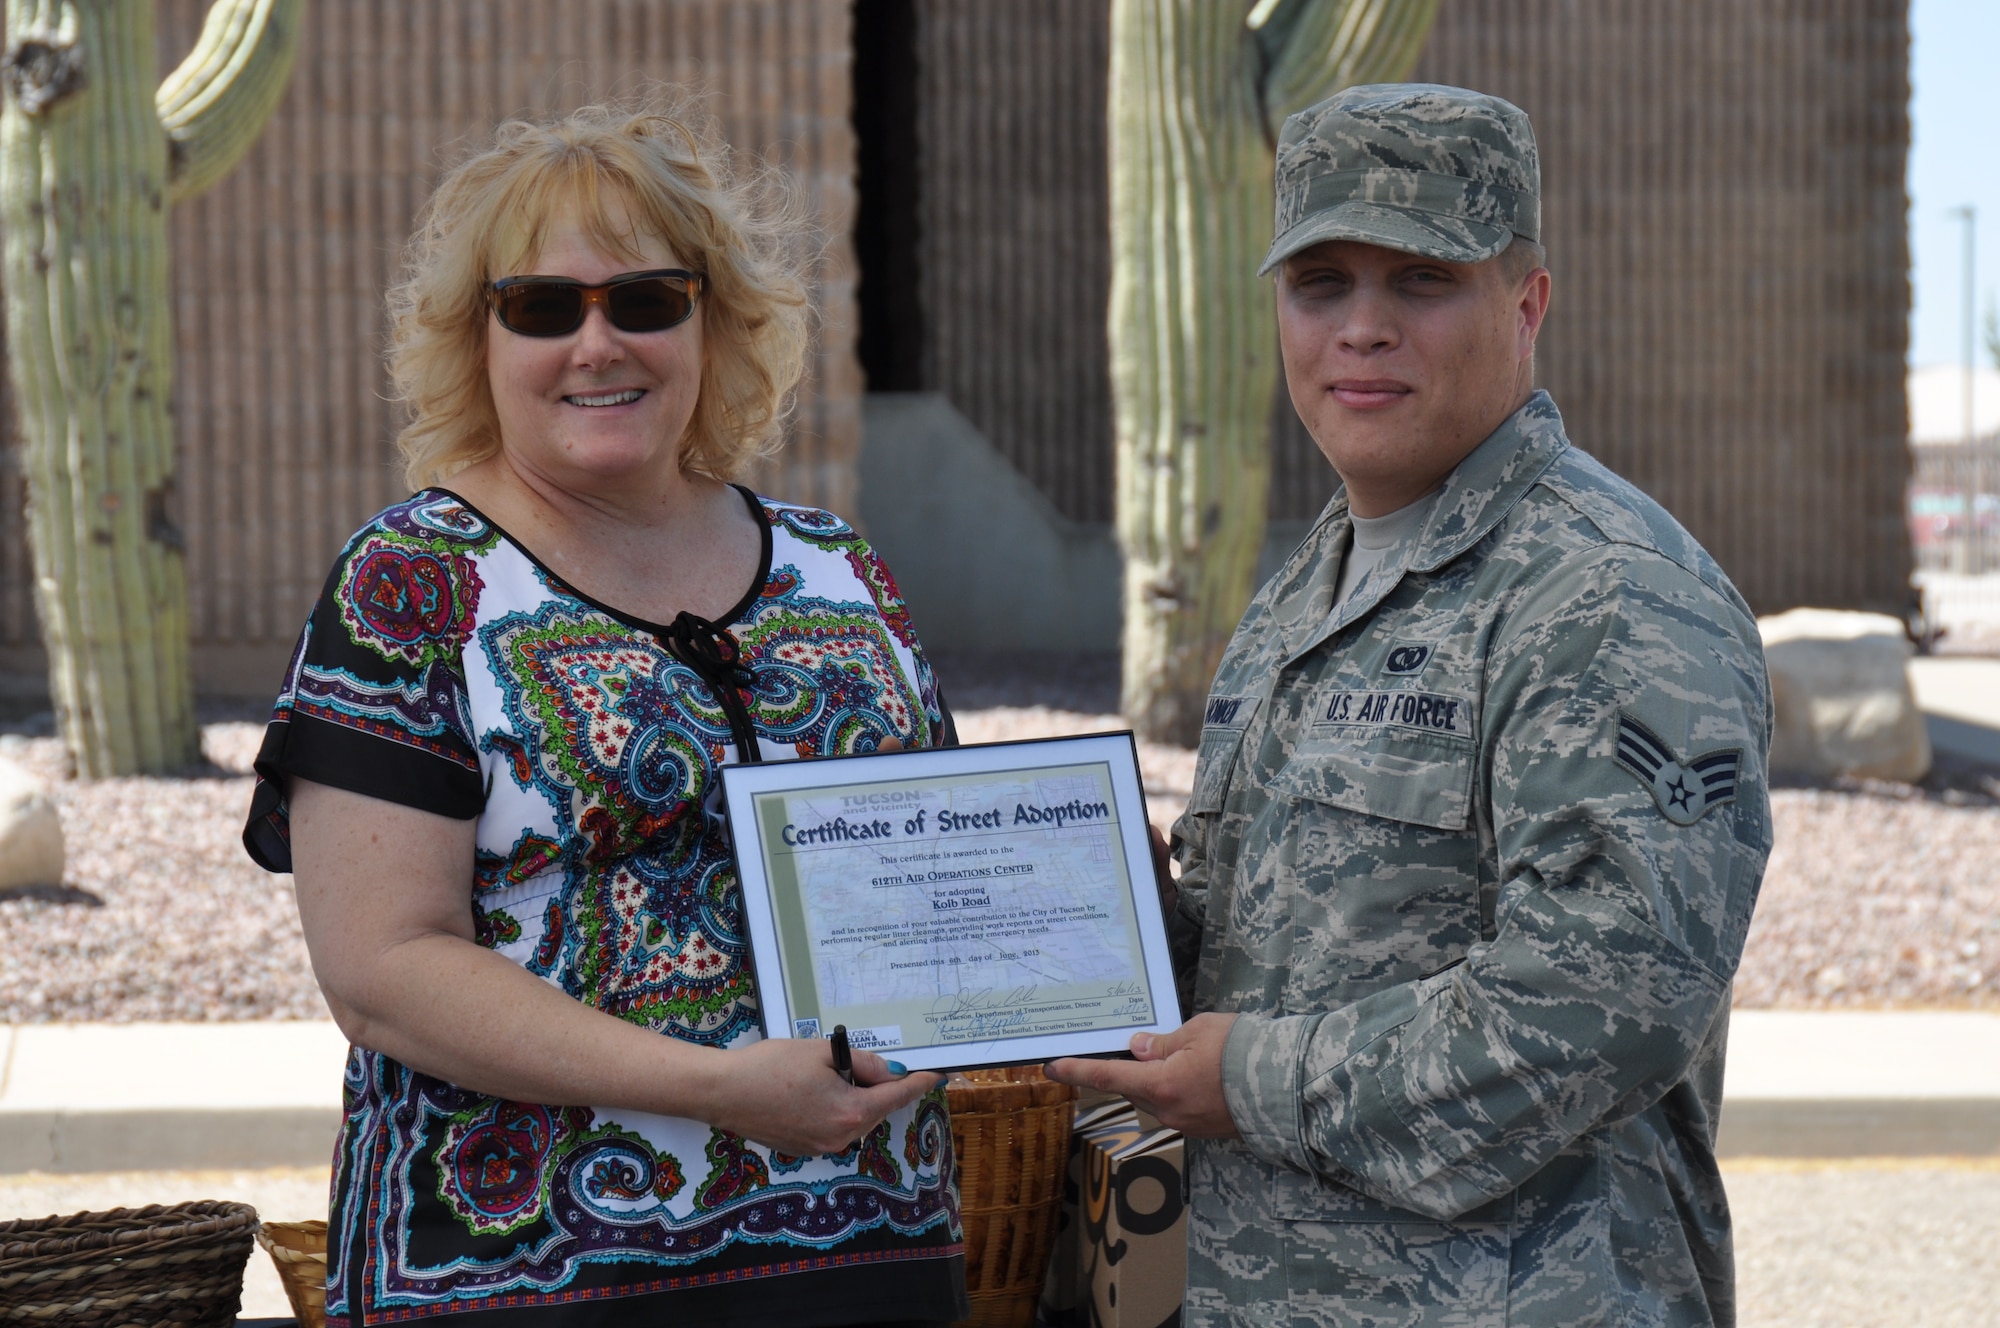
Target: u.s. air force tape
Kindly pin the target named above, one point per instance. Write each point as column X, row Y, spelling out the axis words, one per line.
column 1426, row 711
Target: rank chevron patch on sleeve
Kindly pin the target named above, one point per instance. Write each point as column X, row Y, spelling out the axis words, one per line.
column 1684, row 791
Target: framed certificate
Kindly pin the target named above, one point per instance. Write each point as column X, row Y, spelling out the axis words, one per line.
column 955, row 907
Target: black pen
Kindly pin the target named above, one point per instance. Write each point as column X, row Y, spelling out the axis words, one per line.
column 843, row 1056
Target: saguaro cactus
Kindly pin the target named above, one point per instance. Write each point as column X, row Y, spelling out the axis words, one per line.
column 91, row 155
column 1198, row 91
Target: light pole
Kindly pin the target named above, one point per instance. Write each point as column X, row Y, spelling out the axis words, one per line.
column 1968, row 551
column 1969, row 215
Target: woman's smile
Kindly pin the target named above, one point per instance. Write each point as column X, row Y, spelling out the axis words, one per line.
column 601, row 400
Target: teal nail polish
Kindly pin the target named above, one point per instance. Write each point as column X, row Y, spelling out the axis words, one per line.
column 897, row 1068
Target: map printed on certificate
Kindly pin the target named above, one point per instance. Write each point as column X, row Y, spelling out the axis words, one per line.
column 951, row 908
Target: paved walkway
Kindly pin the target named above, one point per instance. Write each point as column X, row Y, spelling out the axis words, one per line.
column 1861, row 1151
column 1868, row 1084
column 118, row 1097
column 1896, row 1243
column 1866, row 1245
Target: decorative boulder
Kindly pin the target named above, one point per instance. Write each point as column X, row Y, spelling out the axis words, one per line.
column 1840, row 686
column 31, row 837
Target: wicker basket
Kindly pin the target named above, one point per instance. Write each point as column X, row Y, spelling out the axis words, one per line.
column 1011, row 1131
column 299, row 1251
column 175, row 1266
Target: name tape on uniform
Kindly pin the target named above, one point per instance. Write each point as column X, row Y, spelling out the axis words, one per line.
column 1426, row 711
column 1228, row 712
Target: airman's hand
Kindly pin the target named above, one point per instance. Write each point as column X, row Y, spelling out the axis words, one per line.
column 1175, row 1076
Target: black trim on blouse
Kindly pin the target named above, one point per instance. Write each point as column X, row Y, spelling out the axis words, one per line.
column 661, row 630
column 710, row 649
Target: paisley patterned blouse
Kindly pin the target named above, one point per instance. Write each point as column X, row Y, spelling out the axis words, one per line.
column 445, row 668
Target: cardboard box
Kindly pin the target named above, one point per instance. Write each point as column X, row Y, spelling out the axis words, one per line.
column 1121, row 1247
column 1068, row 1283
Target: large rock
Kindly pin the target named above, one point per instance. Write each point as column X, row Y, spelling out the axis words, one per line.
column 1840, row 685
column 31, row 837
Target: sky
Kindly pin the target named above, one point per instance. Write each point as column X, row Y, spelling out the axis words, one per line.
column 1954, row 160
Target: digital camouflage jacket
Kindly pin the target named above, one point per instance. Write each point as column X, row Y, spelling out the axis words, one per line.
column 1473, row 859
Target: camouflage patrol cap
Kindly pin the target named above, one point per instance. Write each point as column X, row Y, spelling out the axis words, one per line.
column 1416, row 167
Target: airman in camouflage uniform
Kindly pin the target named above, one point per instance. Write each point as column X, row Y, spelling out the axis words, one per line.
column 1470, row 854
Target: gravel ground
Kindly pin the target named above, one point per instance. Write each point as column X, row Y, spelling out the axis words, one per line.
column 161, row 915
column 1877, row 895
column 1819, row 1245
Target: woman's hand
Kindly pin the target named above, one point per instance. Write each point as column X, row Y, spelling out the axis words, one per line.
column 783, row 1093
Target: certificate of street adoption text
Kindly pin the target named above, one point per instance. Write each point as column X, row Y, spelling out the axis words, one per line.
column 955, row 907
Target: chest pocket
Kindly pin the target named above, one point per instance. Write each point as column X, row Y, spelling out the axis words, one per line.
column 1417, row 781
column 1228, row 718
column 1377, row 863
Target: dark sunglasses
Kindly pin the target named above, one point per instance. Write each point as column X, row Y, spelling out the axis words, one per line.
column 554, row 306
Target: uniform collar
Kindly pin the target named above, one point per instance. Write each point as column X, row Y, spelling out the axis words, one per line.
column 1485, row 487
column 1477, row 496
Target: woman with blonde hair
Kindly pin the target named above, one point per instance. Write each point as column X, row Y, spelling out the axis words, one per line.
column 493, row 770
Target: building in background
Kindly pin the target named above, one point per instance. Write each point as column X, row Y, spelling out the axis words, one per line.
column 1723, row 189
column 1724, row 203
column 1954, row 505
column 280, row 410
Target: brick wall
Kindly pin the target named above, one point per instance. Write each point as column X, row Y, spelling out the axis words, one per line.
column 286, row 440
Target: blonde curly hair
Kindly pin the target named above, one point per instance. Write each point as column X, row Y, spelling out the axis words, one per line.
column 657, row 165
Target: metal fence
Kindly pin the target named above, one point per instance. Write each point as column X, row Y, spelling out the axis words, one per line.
column 1954, row 508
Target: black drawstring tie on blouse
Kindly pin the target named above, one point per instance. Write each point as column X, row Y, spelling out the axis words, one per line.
column 716, row 658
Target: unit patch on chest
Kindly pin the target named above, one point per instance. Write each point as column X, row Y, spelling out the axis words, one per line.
column 1683, row 792
column 1407, row 659
column 1425, row 711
